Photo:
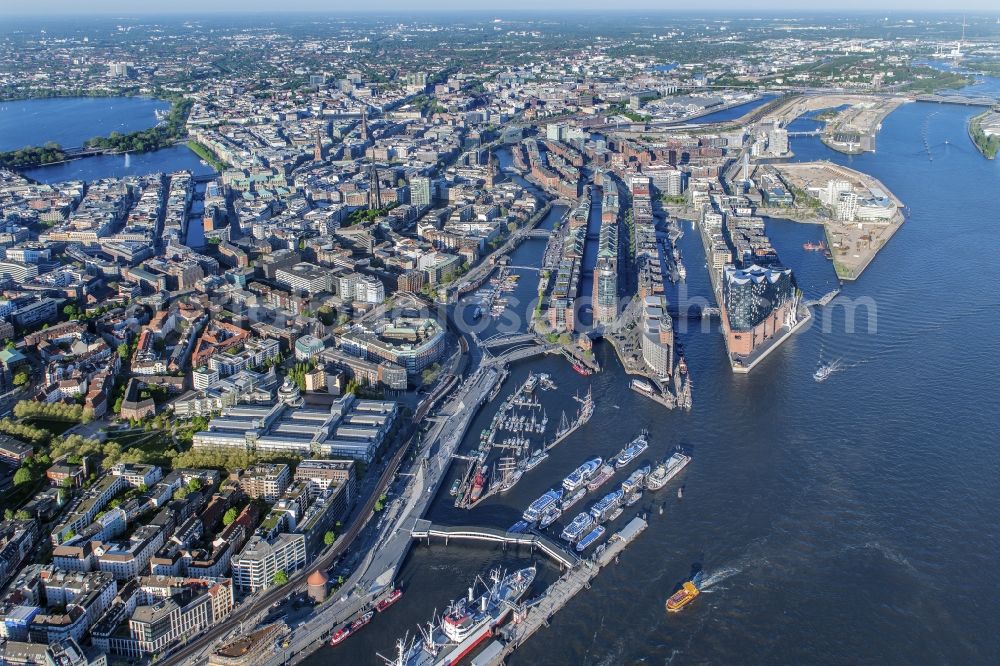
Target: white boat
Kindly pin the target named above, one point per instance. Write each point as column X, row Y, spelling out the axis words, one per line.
column 824, row 371
column 550, row 516
column 541, row 505
column 602, row 476
column 606, row 505
column 466, row 623
column 632, row 451
column 573, row 498
column 582, row 474
column 667, row 470
column 591, row 537
column 635, row 480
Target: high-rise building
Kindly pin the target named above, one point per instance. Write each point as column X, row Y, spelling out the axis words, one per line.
column 421, row 191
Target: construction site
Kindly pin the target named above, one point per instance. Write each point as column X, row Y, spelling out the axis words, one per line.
column 858, row 213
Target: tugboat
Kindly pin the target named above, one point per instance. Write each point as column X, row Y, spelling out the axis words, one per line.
column 583, row 370
column 682, row 597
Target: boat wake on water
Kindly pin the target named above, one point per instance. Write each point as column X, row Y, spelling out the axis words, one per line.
column 717, row 577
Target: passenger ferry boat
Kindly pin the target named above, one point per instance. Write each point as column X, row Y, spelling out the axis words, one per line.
column 602, row 476
column 466, row 623
column 519, row 527
column 581, row 474
column 635, row 481
column 573, row 498
column 603, row 508
column 667, row 470
column 682, row 597
column 632, row 451
column 643, row 386
column 550, row 516
column 575, row 529
column 541, row 505
column 587, row 541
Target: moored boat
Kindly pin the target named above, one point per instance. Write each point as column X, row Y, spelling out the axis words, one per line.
column 603, row 508
column 541, row 505
column 573, row 498
column 393, row 597
column 582, row 474
column 602, row 476
column 466, row 623
column 592, row 536
column 550, row 516
column 581, row 523
column 632, row 451
column 667, row 470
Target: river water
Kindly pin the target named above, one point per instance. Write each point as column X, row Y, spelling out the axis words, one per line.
column 855, row 520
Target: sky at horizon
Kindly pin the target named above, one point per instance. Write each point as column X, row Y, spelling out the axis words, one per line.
column 132, row 8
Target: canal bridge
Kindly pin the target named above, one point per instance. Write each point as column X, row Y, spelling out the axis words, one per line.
column 537, row 233
column 504, row 339
column 424, row 529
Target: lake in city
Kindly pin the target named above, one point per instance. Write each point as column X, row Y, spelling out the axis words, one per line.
column 69, row 121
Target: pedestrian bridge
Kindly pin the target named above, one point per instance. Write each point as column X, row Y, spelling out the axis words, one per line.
column 424, row 529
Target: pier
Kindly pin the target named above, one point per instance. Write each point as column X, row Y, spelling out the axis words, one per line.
column 824, row 300
column 424, row 529
column 535, row 614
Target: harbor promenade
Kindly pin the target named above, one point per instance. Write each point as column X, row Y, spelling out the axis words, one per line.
column 535, row 614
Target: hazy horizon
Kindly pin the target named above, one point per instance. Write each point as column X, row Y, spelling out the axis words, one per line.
column 43, row 8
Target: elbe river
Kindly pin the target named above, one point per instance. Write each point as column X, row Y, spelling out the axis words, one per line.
column 851, row 521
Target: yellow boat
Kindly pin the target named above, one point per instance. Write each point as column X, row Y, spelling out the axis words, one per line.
column 682, row 597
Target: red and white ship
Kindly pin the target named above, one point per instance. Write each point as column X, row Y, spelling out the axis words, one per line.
column 466, row 623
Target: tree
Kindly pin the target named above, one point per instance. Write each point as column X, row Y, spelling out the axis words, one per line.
column 329, row 538
column 22, row 475
column 229, row 518
column 280, row 577
column 123, row 352
column 8, row 514
column 21, row 377
column 22, row 515
column 10, row 346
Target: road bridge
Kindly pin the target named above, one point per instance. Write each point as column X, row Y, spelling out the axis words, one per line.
column 537, row 233
column 424, row 529
column 525, row 352
column 502, row 339
column 963, row 100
